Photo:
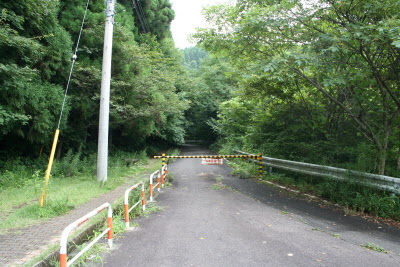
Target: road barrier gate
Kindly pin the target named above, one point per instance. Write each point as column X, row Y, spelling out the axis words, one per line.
column 256, row 157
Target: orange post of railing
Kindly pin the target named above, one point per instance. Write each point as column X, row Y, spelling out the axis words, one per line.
column 151, row 183
column 126, row 202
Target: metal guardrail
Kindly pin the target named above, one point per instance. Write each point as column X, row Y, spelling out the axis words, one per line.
column 387, row 183
column 158, row 184
column 72, row 226
column 126, row 201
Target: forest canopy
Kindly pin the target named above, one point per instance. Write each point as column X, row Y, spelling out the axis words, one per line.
column 319, row 80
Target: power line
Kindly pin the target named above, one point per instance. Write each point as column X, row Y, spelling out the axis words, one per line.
column 143, row 15
column 140, row 14
column 53, row 148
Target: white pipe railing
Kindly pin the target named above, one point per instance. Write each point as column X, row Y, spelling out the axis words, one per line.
column 158, row 184
column 383, row 182
column 126, row 202
column 72, row 226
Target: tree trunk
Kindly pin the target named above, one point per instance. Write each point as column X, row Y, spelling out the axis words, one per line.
column 398, row 160
column 383, row 153
column 382, row 161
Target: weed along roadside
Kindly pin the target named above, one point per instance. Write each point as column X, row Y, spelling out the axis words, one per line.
column 36, row 242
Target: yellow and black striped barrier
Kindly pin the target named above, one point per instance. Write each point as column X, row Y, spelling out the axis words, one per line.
column 206, row 156
column 256, row 157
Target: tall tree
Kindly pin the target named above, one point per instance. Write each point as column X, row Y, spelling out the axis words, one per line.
column 154, row 16
column 211, row 84
column 347, row 50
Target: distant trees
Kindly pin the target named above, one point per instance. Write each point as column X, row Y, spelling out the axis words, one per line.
column 192, row 57
column 210, row 85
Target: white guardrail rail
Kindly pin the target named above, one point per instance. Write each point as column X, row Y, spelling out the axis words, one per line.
column 387, row 183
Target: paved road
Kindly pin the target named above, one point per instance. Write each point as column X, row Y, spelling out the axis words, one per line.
column 246, row 224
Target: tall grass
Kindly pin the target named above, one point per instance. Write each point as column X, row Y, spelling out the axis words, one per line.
column 72, row 183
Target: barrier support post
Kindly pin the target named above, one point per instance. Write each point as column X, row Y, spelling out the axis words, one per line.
column 260, row 165
column 163, row 160
column 164, row 171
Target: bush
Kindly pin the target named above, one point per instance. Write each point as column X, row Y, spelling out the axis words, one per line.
column 70, row 165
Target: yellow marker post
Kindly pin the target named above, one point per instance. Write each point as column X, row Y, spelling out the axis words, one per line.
column 48, row 171
column 163, row 160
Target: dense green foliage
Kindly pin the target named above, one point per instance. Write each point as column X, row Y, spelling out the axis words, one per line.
column 154, row 16
column 36, row 45
column 319, row 81
column 210, row 85
column 33, row 50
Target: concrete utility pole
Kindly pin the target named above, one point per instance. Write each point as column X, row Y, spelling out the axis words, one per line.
column 102, row 156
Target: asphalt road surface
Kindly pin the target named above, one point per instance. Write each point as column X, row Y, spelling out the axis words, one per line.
column 241, row 222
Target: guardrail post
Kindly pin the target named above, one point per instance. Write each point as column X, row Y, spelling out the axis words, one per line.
column 159, row 181
column 151, row 184
column 126, row 212
column 260, row 165
column 162, row 177
column 110, row 225
column 126, row 202
column 143, row 198
column 151, row 188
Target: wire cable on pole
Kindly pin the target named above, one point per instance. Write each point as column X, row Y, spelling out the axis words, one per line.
column 74, row 57
column 55, row 140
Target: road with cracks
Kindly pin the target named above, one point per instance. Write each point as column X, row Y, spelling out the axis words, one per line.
column 209, row 217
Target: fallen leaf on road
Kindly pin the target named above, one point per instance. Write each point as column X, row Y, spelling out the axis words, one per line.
column 202, row 238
